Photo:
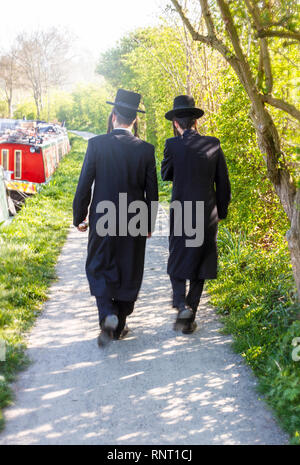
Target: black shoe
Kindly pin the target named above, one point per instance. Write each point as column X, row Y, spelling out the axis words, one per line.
column 184, row 315
column 121, row 334
column 104, row 338
column 190, row 324
column 108, row 326
column 118, row 332
column 189, row 327
column 124, row 332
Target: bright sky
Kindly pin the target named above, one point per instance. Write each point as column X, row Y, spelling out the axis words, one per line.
column 98, row 24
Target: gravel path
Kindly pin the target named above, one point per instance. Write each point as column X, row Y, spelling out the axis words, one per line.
column 154, row 387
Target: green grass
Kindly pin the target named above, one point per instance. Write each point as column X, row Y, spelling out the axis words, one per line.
column 255, row 296
column 29, row 248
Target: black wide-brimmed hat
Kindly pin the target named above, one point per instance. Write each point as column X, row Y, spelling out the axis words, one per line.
column 127, row 103
column 184, row 105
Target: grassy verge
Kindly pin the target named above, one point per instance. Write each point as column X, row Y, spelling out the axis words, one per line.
column 255, row 297
column 29, row 248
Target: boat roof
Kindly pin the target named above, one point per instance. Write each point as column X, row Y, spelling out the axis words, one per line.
column 37, row 133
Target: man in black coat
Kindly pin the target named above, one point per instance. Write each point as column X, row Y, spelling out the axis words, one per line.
column 197, row 167
column 122, row 168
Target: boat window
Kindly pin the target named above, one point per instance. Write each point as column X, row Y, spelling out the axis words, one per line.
column 4, row 159
column 18, row 164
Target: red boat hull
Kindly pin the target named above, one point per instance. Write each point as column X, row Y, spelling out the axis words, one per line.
column 32, row 167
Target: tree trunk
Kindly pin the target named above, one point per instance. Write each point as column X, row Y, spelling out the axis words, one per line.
column 293, row 238
column 38, row 112
column 37, row 105
column 9, row 104
column 269, row 144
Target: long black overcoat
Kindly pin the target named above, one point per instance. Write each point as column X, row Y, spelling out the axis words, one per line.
column 116, row 163
column 197, row 167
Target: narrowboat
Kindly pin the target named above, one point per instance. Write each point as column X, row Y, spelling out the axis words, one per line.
column 30, row 152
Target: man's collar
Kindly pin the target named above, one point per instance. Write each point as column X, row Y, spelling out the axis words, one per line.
column 122, row 129
column 186, row 132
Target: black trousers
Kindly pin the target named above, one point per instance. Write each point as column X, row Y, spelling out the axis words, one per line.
column 179, row 292
column 107, row 306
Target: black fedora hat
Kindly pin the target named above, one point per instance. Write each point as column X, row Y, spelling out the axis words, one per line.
column 184, row 105
column 127, row 102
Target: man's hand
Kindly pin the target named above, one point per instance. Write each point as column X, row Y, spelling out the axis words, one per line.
column 82, row 227
column 149, row 235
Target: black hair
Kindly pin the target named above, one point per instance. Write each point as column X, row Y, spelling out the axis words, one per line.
column 109, row 123
column 185, row 122
column 124, row 120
